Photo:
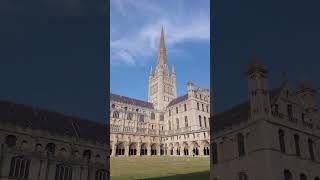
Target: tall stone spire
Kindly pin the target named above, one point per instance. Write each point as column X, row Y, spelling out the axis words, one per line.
column 162, row 57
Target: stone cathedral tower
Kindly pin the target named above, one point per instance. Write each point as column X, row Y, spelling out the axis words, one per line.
column 162, row 84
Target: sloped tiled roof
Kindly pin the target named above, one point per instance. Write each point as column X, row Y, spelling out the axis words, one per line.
column 127, row 100
column 235, row 115
column 53, row 122
column 238, row 113
column 178, row 100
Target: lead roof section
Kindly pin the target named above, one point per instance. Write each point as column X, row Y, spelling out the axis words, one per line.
column 57, row 123
column 131, row 101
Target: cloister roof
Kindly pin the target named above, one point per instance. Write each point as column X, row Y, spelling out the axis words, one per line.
column 131, row 101
column 40, row 119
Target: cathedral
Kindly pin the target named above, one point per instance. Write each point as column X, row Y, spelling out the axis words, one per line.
column 273, row 135
column 165, row 125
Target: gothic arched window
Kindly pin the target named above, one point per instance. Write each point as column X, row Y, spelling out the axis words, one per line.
column 169, row 125
column 19, row 167
column 177, row 110
column 153, row 116
column 297, row 144
column 186, row 121
column 185, row 107
column 115, row 114
column 87, row 154
column 63, row 172
column 289, row 109
column 241, row 145
column 129, row 116
column 51, row 148
column 177, row 120
column 161, row 117
column 101, row 174
column 303, row 177
column 198, row 106
column 282, row 141
column 243, row 176
column 11, row 140
column 311, row 151
column 287, row 175
column 200, row 121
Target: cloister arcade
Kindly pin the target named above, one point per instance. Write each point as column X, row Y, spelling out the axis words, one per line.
column 194, row 148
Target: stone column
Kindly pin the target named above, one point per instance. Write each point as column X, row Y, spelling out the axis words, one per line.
column 138, row 149
column 158, row 150
column 201, row 153
column 148, row 149
column 126, row 149
column 113, row 153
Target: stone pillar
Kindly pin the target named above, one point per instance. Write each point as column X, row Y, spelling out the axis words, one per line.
column 126, row 149
column 158, row 150
column 113, row 153
column 138, row 149
column 149, row 150
column 201, row 153
column 190, row 150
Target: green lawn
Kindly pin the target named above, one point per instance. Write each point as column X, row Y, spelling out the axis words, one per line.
column 159, row 168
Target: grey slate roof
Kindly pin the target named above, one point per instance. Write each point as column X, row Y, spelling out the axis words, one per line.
column 178, row 100
column 53, row 122
column 127, row 100
column 235, row 115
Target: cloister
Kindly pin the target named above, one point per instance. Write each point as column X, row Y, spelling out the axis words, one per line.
column 160, row 149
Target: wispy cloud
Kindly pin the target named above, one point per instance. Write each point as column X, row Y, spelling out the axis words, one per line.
column 136, row 45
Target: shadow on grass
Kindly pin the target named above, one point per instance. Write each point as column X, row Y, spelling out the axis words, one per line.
column 192, row 176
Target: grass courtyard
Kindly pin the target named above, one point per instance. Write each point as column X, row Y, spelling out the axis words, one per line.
column 159, row 168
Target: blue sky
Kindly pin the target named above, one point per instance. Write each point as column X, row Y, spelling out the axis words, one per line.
column 134, row 41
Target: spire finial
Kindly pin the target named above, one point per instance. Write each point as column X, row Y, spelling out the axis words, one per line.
column 162, row 58
column 150, row 73
column 173, row 71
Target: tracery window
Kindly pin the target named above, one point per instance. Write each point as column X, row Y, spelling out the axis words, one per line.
column 297, row 144
column 11, row 140
column 101, row 174
column 141, row 118
column 289, row 109
column 161, row 117
column 129, row 116
column 19, row 167
column 63, row 172
column 115, row 114
column 243, row 176
column 303, row 177
column 177, row 120
column 287, row 175
column 311, row 150
column 153, row 116
column 186, row 121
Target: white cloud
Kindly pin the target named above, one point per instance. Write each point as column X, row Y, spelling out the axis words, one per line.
column 139, row 45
